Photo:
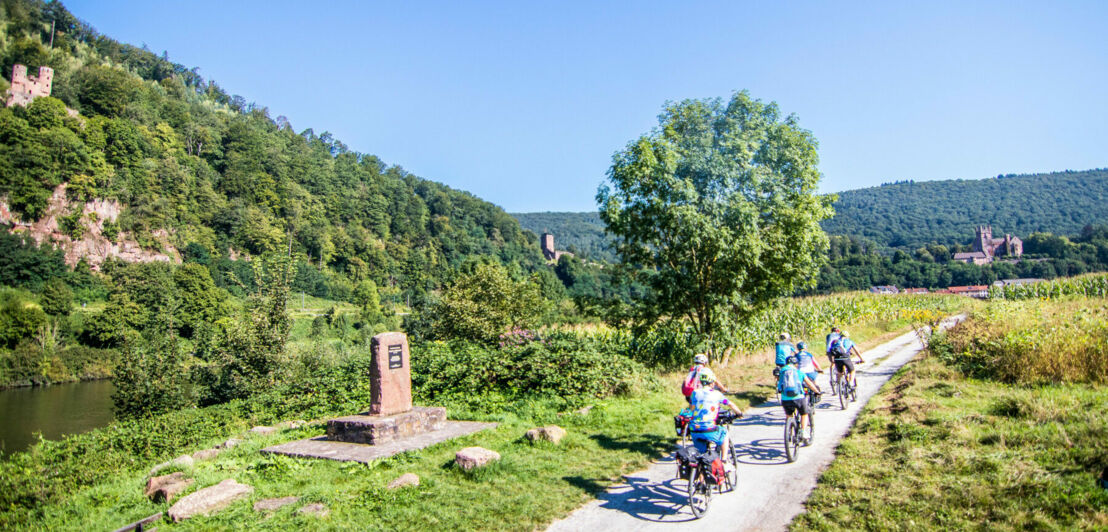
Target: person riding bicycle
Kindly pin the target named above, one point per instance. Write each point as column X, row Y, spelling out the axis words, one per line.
column 784, row 348
column 830, row 340
column 842, row 348
column 692, row 381
column 791, row 384
column 706, row 403
column 806, row 362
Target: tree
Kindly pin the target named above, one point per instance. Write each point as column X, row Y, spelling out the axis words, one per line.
column 57, row 298
column 486, row 303
column 367, row 298
column 719, row 205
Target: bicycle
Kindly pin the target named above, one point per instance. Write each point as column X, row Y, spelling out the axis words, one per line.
column 847, row 388
column 833, row 375
column 697, row 468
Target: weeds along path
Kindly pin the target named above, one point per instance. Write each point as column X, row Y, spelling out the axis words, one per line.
column 771, row 491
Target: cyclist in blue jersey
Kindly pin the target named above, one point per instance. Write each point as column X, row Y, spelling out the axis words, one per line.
column 791, row 384
column 843, row 347
column 706, row 403
column 806, row 362
column 783, row 349
column 830, row 341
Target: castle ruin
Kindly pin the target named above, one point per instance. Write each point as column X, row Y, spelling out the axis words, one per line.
column 26, row 88
column 986, row 248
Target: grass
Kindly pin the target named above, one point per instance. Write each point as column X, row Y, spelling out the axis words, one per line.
column 532, row 485
column 937, row 450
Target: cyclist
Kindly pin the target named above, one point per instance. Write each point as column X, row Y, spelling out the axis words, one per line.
column 706, row 403
column 692, row 380
column 843, row 347
column 784, row 349
column 806, row 362
column 791, row 385
column 830, row 340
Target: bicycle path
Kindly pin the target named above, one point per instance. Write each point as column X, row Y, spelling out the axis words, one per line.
column 771, row 491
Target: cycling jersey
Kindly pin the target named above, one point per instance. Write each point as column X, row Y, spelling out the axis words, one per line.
column 783, row 378
column 805, row 363
column 831, row 340
column 706, row 406
column 784, row 349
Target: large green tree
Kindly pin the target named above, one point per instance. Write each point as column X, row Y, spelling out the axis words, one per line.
column 719, row 206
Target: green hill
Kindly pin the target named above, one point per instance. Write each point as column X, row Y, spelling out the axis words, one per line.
column 206, row 172
column 910, row 214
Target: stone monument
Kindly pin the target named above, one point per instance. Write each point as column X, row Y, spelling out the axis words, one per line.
column 391, row 424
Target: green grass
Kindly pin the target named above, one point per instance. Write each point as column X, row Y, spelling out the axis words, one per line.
column 532, row 485
column 938, row 451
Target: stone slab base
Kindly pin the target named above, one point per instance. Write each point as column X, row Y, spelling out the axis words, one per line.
column 375, row 430
column 321, row 447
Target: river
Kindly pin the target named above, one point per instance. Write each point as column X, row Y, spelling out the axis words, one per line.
column 55, row 411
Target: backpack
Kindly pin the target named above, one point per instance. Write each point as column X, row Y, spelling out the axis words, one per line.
column 790, row 383
column 691, row 382
column 838, row 347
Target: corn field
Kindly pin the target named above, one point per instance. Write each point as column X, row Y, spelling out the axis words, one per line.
column 1084, row 286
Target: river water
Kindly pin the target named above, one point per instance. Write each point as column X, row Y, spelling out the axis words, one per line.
column 55, row 411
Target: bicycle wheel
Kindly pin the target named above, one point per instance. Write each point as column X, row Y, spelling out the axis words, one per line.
column 792, row 440
column 733, row 476
column 843, row 391
column 853, row 392
column 811, row 428
column 700, row 495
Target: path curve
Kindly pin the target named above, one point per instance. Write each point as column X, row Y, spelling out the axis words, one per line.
column 771, row 491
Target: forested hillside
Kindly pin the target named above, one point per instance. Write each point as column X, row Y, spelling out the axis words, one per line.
column 910, row 214
column 215, row 173
column 579, row 232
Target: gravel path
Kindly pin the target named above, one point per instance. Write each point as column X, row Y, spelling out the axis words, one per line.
column 771, row 491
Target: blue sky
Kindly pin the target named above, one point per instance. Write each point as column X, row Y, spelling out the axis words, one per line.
column 523, row 103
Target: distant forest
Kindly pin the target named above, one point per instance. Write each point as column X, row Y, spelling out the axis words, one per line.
column 912, row 214
column 579, row 232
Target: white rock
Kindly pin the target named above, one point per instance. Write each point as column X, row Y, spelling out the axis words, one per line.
column 407, row 479
column 209, row 500
column 473, row 457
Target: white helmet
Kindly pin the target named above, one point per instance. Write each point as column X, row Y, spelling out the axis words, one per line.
column 784, row 336
column 700, row 358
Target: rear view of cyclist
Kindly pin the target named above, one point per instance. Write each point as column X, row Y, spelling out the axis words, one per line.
column 843, row 348
column 692, row 381
column 706, row 402
column 784, row 348
column 791, row 384
column 806, row 362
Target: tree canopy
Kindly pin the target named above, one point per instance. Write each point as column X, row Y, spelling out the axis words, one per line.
column 719, row 205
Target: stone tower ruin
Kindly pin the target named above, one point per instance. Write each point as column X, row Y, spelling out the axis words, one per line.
column 26, row 88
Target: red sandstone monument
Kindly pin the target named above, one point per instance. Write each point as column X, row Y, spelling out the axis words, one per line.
column 391, row 424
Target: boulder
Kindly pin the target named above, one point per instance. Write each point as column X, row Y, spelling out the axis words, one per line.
column 292, row 424
column 209, row 500
column 206, row 454
column 264, row 431
column 166, row 487
column 550, row 433
column 583, row 411
column 317, row 509
column 407, row 479
column 184, row 461
column 230, row 443
column 474, row 457
column 269, row 505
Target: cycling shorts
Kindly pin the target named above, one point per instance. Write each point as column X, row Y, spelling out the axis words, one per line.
column 812, row 375
column 701, row 439
column 792, row 405
column 844, row 365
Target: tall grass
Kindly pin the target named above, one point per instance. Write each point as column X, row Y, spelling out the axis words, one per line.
column 1032, row 341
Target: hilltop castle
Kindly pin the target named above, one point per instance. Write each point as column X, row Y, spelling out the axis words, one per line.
column 26, row 88
column 548, row 251
column 986, row 248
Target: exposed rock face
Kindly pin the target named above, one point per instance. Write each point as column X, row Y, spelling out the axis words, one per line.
column 316, row 508
column 269, row 505
column 166, row 487
column 550, row 433
column 93, row 246
column 407, row 479
column 474, row 457
column 184, row 461
column 209, row 500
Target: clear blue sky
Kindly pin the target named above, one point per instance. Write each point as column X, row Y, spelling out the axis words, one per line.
column 523, row 103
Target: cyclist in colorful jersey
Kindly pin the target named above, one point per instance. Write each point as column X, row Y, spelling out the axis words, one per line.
column 784, row 349
column 692, row 380
column 843, row 348
column 806, row 362
column 791, row 384
column 830, row 340
column 706, row 403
